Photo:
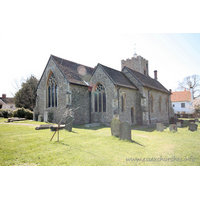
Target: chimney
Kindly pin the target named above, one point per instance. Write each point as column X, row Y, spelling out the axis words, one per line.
column 191, row 91
column 155, row 75
column 170, row 90
column 3, row 96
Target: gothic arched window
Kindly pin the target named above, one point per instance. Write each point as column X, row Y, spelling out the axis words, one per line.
column 166, row 104
column 100, row 99
column 123, row 102
column 52, row 91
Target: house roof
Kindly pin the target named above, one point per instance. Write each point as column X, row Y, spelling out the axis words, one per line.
column 181, row 96
column 74, row 72
column 8, row 100
column 118, row 78
column 147, row 81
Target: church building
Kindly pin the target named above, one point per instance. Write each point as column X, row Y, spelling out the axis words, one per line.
column 101, row 93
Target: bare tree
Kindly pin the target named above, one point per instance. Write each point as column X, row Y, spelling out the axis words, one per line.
column 191, row 82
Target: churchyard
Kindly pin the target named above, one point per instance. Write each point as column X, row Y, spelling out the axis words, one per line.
column 22, row 145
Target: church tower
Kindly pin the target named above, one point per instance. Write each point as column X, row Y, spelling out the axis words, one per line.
column 136, row 63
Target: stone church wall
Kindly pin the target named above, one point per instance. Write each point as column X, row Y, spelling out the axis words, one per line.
column 100, row 77
column 158, row 115
column 80, row 102
column 41, row 101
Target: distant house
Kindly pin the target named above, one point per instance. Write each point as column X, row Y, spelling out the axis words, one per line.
column 7, row 102
column 182, row 101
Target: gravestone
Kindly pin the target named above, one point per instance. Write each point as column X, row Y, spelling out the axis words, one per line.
column 196, row 120
column 45, row 116
column 115, row 125
column 178, row 124
column 160, row 127
column 192, row 121
column 125, row 133
column 40, row 118
column 193, row 127
column 173, row 127
column 69, row 123
column 186, row 123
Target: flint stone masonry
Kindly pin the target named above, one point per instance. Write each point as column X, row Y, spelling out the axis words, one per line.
column 160, row 127
column 79, row 96
column 125, row 133
column 173, row 127
column 193, row 127
column 115, row 125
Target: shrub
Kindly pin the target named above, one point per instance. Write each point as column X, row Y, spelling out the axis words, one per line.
column 6, row 113
column 1, row 114
column 28, row 114
column 19, row 112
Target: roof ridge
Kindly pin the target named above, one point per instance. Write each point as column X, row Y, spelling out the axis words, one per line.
column 71, row 61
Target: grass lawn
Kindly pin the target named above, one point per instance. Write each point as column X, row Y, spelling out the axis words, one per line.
column 23, row 145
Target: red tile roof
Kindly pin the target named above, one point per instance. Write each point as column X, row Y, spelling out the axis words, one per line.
column 181, row 96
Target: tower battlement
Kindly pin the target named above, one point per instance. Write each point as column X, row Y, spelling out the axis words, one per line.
column 137, row 63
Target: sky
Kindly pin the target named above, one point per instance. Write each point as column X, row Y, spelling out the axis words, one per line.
column 92, row 32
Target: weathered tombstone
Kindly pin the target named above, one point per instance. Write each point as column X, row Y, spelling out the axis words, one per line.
column 115, row 125
column 125, row 132
column 186, row 123
column 173, row 127
column 196, row 120
column 40, row 118
column 178, row 124
column 160, row 127
column 45, row 116
column 192, row 121
column 193, row 127
column 69, row 123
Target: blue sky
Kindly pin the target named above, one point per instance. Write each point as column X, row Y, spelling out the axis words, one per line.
column 89, row 33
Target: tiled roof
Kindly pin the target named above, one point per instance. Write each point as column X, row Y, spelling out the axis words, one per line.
column 8, row 100
column 118, row 77
column 74, row 72
column 181, row 96
column 147, row 81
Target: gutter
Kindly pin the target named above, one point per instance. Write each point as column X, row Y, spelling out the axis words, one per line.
column 149, row 107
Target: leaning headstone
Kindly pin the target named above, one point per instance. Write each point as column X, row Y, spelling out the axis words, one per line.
column 160, row 127
column 125, row 133
column 193, row 127
column 115, row 125
column 173, row 127
column 69, row 123
column 40, row 118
